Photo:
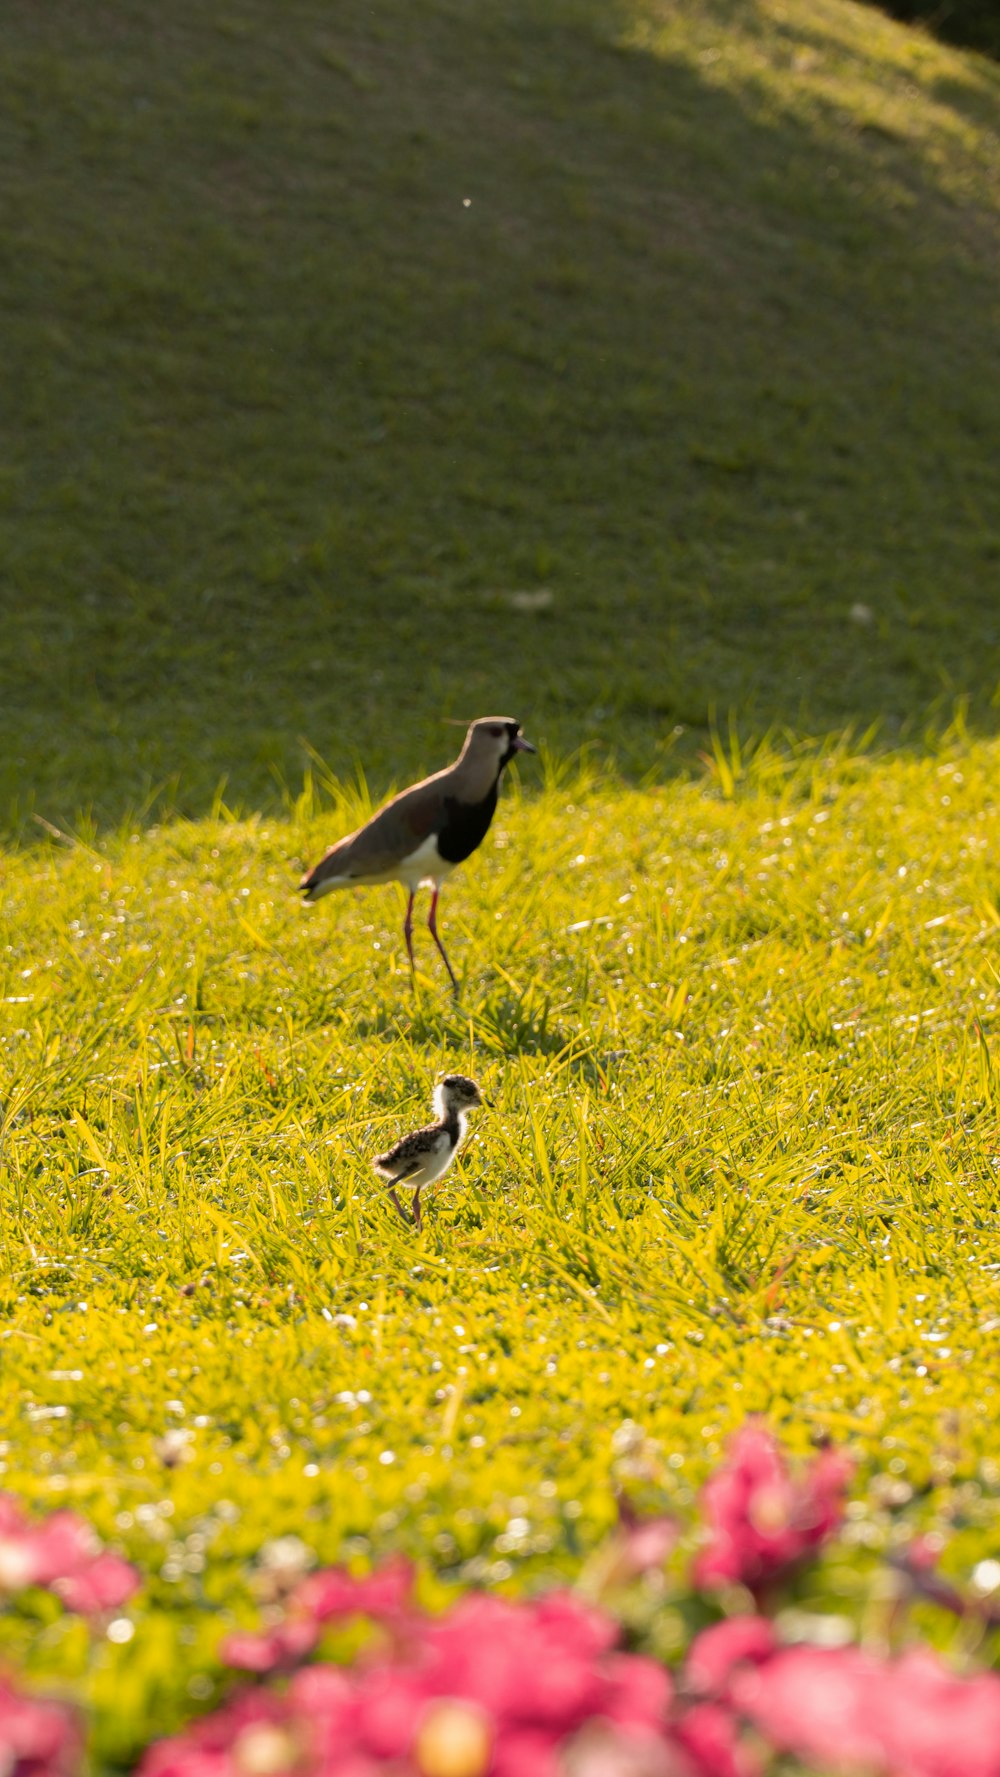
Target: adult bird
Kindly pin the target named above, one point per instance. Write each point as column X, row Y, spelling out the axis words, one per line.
column 426, row 830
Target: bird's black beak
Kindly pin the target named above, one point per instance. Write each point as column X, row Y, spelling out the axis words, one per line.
column 520, row 745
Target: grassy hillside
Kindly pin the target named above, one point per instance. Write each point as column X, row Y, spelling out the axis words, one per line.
column 333, row 333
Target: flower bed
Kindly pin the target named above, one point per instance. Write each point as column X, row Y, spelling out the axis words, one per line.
column 547, row 1687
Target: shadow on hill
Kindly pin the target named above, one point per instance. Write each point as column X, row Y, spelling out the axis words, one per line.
column 972, row 24
column 609, row 369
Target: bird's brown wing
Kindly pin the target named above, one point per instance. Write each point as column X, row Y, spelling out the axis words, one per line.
column 408, row 1154
column 391, row 835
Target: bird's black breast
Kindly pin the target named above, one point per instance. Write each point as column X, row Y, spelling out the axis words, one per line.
column 465, row 826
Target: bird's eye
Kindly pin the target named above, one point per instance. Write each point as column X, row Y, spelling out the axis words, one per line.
column 497, row 733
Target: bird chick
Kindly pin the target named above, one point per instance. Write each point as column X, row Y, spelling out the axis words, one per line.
column 425, row 1156
column 426, row 830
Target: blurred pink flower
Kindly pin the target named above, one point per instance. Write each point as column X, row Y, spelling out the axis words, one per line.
column 600, row 1750
column 61, row 1544
column 384, row 1595
column 761, row 1520
column 207, row 1747
column 490, row 1687
column 526, row 1752
column 921, row 1553
column 537, row 1665
column 104, row 1583
column 62, row 1553
column 934, row 1724
column 709, row 1734
column 637, row 1544
column 270, row 1650
column 909, row 1717
column 716, row 1651
column 816, row 1702
column 639, row 1691
column 495, row 1688
column 37, row 1738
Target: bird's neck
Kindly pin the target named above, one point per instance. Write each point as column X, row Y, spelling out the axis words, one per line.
column 480, row 778
column 454, row 1122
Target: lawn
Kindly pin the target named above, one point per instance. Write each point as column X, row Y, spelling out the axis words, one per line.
column 619, row 368
column 743, row 1156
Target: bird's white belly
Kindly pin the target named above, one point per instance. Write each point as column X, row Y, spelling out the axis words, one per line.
column 436, row 1164
column 425, row 864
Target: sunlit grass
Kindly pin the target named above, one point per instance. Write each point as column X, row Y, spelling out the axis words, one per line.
column 739, row 1035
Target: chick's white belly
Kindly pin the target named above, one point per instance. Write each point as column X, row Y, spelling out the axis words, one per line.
column 423, row 1159
column 435, row 1163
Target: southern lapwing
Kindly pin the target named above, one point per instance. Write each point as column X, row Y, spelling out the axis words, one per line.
column 425, row 831
column 424, row 1156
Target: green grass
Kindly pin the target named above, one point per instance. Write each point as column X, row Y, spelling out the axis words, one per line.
column 744, row 1156
column 292, row 421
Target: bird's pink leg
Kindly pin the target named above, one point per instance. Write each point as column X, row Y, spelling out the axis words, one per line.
column 403, row 1215
column 417, row 1218
column 432, row 928
column 408, row 930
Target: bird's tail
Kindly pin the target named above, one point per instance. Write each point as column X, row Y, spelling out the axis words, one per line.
column 327, row 874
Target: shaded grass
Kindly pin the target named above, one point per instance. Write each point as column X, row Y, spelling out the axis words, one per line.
column 331, row 336
column 972, row 23
column 740, row 1035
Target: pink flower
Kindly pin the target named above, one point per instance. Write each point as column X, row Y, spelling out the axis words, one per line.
column 538, row 1665
column 636, row 1545
column 638, row 1691
column 815, row 1702
column 62, row 1553
column 333, row 1593
column 491, row 1689
column 709, row 1734
column 62, row 1544
column 273, row 1650
column 716, row 1651
column 909, row 1717
column 761, row 1520
column 385, row 1595
column 921, row 1554
column 104, row 1583
column 934, row 1724
column 37, row 1738
column 38, row 1554
column 526, row 1752
column 647, row 1542
column 390, row 1704
column 205, row 1749
column 600, row 1750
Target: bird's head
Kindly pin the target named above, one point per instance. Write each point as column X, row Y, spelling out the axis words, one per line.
column 492, row 742
column 456, row 1092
